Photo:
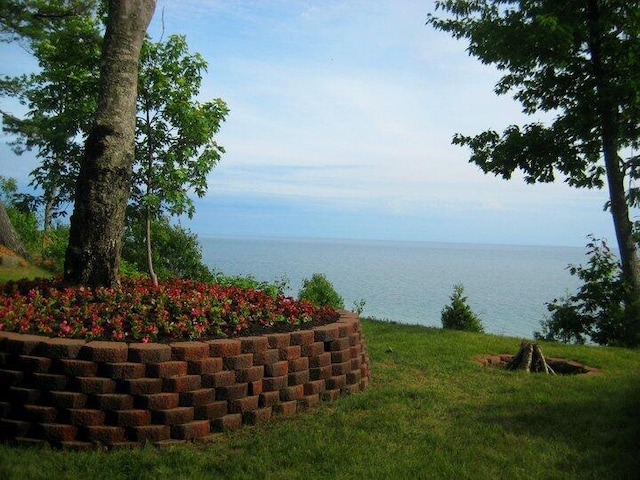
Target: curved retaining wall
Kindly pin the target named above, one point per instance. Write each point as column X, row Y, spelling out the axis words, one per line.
column 78, row 394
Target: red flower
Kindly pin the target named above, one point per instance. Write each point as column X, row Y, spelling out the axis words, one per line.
column 176, row 310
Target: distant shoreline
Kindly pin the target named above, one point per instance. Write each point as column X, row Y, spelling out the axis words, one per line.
column 381, row 241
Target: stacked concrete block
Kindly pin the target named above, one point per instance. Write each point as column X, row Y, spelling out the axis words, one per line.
column 79, row 394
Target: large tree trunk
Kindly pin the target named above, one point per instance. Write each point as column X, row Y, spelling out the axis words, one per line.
column 609, row 132
column 102, row 190
column 8, row 235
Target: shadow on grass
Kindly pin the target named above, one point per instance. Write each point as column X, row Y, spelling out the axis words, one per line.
column 599, row 430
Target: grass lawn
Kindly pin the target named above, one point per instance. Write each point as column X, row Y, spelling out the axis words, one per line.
column 429, row 412
column 20, row 272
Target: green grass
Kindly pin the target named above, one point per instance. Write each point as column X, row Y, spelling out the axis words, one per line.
column 429, row 412
column 20, row 272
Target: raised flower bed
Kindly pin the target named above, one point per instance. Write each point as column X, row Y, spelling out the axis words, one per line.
column 175, row 310
column 78, row 393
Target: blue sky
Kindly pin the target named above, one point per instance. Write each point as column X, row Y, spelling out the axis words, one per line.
column 342, row 114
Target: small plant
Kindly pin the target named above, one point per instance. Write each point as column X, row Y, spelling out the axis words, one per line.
column 458, row 315
column 358, row 307
column 319, row 291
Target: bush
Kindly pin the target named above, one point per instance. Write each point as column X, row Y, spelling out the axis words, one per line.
column 176, row 252
column 276, row 288
column 458, row 315
column 54, row 247
column 21, row 213
column 597, row 312
column 319, row 291
column 26, row 226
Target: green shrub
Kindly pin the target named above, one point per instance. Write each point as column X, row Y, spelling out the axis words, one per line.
column 176, row 251
column 275, row 288
column 597, row 312
column 319, row 291
column 54, row 247
column 26, row 225
column 458, row 315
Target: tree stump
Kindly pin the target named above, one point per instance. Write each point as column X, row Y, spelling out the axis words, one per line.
column 531, row 359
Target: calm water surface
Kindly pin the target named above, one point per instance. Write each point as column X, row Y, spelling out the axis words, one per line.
column 410, row 282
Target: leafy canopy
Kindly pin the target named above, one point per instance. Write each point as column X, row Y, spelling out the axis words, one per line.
column 61, row 98
column 175, row 146
column 578, row 63
column 546, row 49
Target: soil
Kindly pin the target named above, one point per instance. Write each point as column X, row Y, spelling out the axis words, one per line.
column 5, row 252
column 560, row 365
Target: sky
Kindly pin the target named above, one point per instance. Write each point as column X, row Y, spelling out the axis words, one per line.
column 341, row 119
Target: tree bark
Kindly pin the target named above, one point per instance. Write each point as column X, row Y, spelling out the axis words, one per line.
column 8, row 235
column 104, row 180
column 152, row 273
column 608, row 115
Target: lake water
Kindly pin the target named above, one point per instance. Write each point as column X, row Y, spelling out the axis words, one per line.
column 410, row 282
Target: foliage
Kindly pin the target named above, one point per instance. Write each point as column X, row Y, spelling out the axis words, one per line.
column 137, row 311
column 61, row 98
column 26, row 224
column 319, row 291
column 54, row 247
column 177, row 254
column 175, row 147
column 175, row 150
column 458, row 315
column 547, row 50
column 23, row 219
column 578, row 63
column 174, row 133
column 31, row 19
column 358, row 307
column 597, row 312
column 46, row 247
column 274, row 288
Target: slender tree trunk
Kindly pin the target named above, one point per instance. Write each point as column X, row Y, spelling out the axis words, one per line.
column 48, row 214
column 102, row 189
column 8, row 235
column 608, row 114
column 50, row 200
column 152, row 273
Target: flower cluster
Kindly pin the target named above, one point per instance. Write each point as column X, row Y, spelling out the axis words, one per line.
column 136, row 311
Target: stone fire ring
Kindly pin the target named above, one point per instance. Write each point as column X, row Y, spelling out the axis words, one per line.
column 560, row 365
column 78, row 394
